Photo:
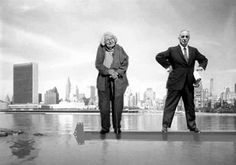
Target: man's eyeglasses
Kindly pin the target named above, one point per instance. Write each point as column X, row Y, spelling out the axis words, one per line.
column 184, row 36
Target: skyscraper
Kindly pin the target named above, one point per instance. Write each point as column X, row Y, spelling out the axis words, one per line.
column 40, row 97
column 149, row 94
column 92, row 92
column 211, row 87
column 25, row 83
column 198, row 96
column 51, row 96
column 137, row 99
column 77, row 93
column 92, row 95
column 227, row 93
column 68, row 89
column 234, row 88
column 149, row 98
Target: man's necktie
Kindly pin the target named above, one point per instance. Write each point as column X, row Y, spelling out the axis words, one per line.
column 185, row 54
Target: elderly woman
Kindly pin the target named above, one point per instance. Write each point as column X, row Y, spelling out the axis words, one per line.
column 112, row 64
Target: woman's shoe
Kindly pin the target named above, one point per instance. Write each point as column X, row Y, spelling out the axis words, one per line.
column 104, row 131
column 117, row 131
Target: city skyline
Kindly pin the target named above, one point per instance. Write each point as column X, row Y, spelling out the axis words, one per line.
column 72, row 89
column 63, row 36
column 26, row 85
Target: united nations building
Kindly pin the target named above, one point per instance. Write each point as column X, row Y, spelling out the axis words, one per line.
column 25, row 83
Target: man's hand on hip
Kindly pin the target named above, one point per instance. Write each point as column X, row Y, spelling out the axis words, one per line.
column 199, row 69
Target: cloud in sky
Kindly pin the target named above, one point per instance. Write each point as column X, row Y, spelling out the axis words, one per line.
column 62, row 36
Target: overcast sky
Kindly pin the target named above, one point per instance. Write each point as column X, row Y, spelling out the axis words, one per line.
column 62, row 36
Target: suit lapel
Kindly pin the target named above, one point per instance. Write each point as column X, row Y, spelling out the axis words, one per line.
column 191, row 54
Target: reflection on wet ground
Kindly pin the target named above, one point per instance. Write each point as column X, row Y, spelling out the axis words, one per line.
column 50, row 139
column 18, row 149
column 64, row 149
column 22, row 148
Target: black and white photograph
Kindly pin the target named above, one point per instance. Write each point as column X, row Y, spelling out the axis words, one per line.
column 117, row 82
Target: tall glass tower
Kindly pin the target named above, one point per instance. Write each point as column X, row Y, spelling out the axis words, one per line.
column 25, row 83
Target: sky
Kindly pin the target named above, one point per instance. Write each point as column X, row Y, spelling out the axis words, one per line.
column 62, row 37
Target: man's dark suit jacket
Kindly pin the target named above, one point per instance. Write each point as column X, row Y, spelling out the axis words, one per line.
column 182, row 70
column 119, row 64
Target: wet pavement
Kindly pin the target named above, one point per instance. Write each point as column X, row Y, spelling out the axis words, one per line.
column 41, row 143
column 64, row 149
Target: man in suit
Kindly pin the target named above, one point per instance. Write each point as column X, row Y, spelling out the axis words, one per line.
column 179, row 62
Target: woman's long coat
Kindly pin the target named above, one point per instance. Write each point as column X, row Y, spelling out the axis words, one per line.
column 119, row 64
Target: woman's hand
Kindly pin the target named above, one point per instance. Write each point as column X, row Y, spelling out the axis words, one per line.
column 113, row 73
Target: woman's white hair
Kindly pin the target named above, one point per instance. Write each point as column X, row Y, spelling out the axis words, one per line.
column 106, row 35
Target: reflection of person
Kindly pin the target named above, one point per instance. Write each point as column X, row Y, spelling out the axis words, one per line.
column 112, row 63
column 179, row 62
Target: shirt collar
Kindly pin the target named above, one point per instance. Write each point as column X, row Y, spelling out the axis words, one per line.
column 183, row 47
